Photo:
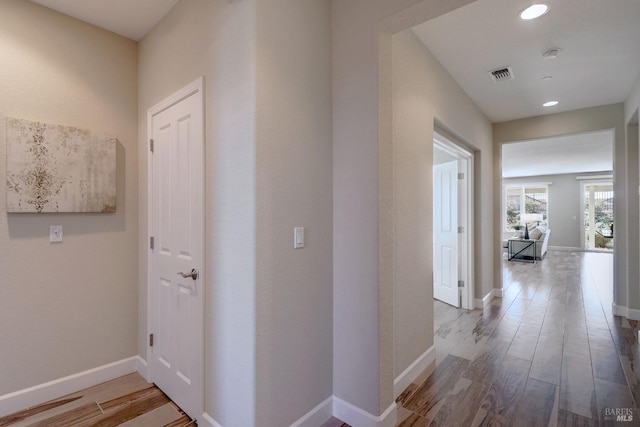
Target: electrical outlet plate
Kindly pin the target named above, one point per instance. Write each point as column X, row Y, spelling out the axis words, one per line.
column 55, row 233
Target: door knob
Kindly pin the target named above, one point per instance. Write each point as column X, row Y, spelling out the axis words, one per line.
column 193, row 274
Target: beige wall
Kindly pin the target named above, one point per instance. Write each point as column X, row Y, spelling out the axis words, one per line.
column 631, row 113
column 589, row 119
column 632, row 104
column 293, row 174
column 268, row 131
column 423, row 92
column 363, row 366
column 68, row 307
column 215, row 39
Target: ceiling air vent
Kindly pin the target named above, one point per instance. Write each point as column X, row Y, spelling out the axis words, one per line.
column 502, row 74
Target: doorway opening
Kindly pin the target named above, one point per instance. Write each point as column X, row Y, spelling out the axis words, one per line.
column 597, row 219
column 577, row 171
column 452, row 223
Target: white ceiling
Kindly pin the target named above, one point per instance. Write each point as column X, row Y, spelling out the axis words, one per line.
column 129, row 18
column 598, row 64
column 577, row 153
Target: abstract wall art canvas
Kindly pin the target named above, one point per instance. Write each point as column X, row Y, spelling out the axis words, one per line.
column 53, row 168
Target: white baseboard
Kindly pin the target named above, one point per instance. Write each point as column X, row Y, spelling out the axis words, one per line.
column 405, row 379
column 317, row 416
column 142, row 368
column 629, row 313
column 331, row 407
column 23, row 399
column 314, row 418
column 482, row 303
column 355, row 416
column 564, row 249
column 619, row 310
column 208, row 421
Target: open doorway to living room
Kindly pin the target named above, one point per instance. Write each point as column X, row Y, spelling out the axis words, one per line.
column 561, row 186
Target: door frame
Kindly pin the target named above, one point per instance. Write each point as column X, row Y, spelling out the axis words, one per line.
column 595, row 180
column 466, row 265
column 194, row 88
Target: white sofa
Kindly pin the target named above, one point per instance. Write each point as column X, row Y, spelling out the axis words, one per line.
column 540, row 234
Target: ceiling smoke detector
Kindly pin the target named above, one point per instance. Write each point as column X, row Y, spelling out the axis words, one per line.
column 502, row 74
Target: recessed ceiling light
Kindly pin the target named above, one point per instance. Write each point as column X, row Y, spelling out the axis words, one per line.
column 550, row 104
column 534, row 11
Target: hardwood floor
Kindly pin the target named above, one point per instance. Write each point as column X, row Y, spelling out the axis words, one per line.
column 550, row 352
column 128, row 401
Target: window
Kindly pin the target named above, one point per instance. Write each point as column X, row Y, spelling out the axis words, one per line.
column 525, row 199
column 597, row 199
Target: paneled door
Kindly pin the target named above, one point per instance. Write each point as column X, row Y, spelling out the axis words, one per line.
column 445, row 233
column 176, row 247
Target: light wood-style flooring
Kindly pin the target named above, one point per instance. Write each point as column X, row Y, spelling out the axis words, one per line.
column 550, row 352
column 128, row 401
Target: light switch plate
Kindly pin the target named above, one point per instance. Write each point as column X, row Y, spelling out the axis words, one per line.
column 298, row 237
column 55, row 233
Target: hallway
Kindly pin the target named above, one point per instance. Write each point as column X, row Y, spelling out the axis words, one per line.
column 549, row 352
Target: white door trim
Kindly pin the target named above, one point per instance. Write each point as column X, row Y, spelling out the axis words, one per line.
column 465, row 218
column 194, row 88
column 584, row 183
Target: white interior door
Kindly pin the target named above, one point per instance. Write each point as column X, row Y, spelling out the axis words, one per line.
column 177, row 228
column 445, row 233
